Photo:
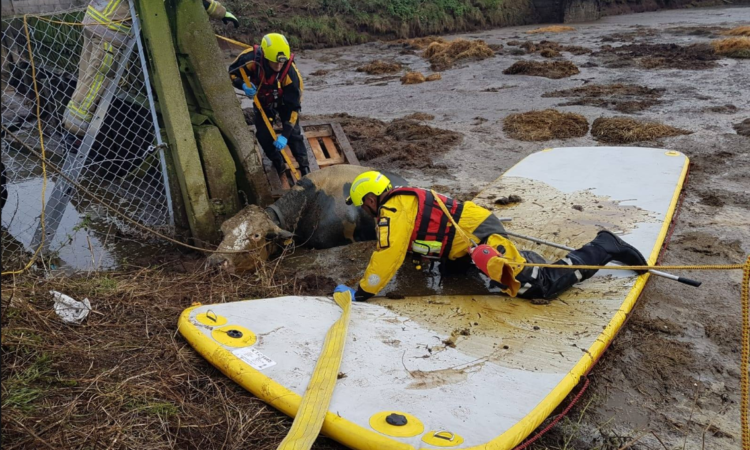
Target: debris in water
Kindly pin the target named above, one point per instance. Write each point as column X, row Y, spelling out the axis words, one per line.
column 413, row 78
column 434, row 77
column 442, row 55
column 551, row 29
column 554, row 70
column 379, row 67
column 545, row 125
column 624, row 130
column 419, row 116
column 739, row 31
column 341, row 375
column 549, row 53
column 742, row 128
column 578, row 208
column 625, row 98
column 733, row 47
column 659, row 56
column 319, row 73
column 421, row 43
column 394, row 296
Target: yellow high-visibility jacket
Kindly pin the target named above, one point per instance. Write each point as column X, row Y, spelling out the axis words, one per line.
column 395, row 226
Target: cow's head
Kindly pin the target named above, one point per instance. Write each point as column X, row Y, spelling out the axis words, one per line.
column 250, row 238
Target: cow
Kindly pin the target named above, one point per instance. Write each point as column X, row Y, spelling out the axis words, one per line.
column 313, row 213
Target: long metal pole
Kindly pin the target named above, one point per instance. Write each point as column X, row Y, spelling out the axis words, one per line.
column 154, row 118
column 658, row 273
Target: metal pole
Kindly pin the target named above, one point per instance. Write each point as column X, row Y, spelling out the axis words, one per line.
column 157, row 131
column 565, row 247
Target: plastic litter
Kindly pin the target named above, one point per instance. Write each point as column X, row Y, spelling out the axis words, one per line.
column 70, row 310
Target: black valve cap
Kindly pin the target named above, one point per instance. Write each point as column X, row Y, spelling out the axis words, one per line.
column 234, row 334
column 397, row 420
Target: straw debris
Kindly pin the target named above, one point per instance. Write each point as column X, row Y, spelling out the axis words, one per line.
column 551, row 29
column 554, row 69
column 545, row 125
column 739, row 31
column 624, row 130
column 626, row 98
column 379, row 67
column 434, row 77
column 413, row 78
column 442, row 55
column 733, row 47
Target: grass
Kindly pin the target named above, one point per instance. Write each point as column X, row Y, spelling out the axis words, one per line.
column 379, row 67
column 733, row 47
column 413, row 78
column 318, row 23
column 125, row 378
column 554, row 69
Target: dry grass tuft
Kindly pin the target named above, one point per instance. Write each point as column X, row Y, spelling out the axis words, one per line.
column 554, row 69
column 379, row 67
column 739, row 31
column 551, row 29
column 422, row 43
column 733, row 47
column 442, row 55
column 413, row 78
column 624, row 130
column 545, row 125
column 549, row 53
column 434, row 77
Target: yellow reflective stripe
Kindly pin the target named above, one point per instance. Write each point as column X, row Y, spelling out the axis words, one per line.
column 103, row 20
column 212, row 7
column 93, row 91
column 317, row 399
column 111, row 6
column 78, row 112
column 299, row 77
column 293, row 117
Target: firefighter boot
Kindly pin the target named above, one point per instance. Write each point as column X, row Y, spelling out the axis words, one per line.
column 620, row 250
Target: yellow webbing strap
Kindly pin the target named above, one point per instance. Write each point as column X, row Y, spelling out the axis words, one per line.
column 295, row 174
column 314, row 406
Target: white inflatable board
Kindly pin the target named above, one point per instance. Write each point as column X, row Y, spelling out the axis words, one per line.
column 486, row 370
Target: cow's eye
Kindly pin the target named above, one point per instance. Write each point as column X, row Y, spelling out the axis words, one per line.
column 256, row 236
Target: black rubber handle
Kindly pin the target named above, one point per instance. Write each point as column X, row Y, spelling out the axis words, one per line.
column 689, row 281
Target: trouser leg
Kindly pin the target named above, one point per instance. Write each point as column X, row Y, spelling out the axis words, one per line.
column 548, row 283
column 266, row 143
column 297, row 146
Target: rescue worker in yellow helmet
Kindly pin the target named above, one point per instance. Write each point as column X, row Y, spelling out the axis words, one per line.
column 106, row 28
column 268, row 72
column 411, row 220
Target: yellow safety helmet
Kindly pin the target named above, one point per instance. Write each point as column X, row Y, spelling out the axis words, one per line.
column 368, row 182
column 275, row 48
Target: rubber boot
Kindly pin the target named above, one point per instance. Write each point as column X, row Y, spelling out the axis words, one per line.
column 619, row 250
column 304, row 170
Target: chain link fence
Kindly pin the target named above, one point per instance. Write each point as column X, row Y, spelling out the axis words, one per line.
column 75, row 90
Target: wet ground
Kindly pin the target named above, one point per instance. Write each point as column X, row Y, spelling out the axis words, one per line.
column 671, row 379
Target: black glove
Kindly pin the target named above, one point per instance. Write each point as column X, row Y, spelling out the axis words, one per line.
column 229, row 17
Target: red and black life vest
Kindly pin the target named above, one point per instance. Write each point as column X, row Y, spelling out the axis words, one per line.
column 431, row 223
column 270, row 90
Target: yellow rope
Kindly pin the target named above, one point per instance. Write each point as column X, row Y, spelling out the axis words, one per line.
column 43, row 152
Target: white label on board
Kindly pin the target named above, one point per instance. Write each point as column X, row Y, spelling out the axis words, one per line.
column 254, row 358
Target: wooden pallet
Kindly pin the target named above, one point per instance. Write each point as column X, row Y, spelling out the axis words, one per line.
column 326, row 144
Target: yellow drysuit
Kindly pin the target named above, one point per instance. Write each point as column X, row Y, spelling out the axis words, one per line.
column 395, row 226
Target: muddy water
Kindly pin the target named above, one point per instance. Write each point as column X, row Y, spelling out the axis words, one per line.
column 672, row 375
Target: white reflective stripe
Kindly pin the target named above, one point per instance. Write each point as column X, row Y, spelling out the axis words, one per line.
column 579, row 275
column 567, row 261
column 535, row 273
column 524, row 288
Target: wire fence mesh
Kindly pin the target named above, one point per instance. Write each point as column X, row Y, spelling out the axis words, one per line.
column 75, row 89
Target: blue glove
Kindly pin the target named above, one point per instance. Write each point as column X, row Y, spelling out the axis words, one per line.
column 345, row 288
column 280, row 143
column 249, row 91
